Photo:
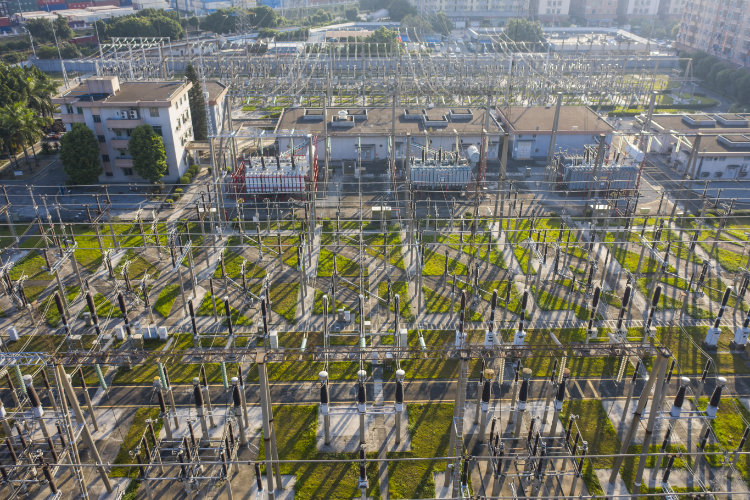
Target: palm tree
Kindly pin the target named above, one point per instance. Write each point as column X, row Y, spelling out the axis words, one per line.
column 21, row 126
column 38, row 89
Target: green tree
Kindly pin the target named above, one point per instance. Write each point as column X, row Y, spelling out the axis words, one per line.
column 38, row 90
column 40, row 29
column 523, row 30
column 441, row 24
column 351, row 14
column 264, row 17
column 79, row 154
column 197, row 104
column 399, row 9
column 21, row 127
column 416, row 23
column 221, row 21
column 147, row 150
column 147, row 23
column 62, row 29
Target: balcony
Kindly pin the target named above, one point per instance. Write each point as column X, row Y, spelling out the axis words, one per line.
column 71, row 118
column 120, row 123
column 120, row 143
column 123, row 163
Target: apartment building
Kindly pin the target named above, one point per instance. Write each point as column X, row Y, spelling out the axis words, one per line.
column 594, row 12
column 552, row 11
column 113, row 109
column 476, row 10
column 718, row 28
column 641, row 8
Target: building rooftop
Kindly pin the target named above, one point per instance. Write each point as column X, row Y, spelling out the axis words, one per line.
column 215, row 90
column 128, row 92
column 697, row 122
column 539, row 120
column 377, row 121
column 729, row 144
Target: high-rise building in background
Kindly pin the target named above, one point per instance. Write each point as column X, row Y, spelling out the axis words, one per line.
column 468, row 11
column 720, row 28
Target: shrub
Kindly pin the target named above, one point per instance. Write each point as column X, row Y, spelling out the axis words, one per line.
column 193, row 170
column 169, row 201
column 184, row 180
column 178, row 190
column 176, row 196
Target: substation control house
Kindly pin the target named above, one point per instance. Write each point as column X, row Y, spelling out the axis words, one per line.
column 350, row 131
column 530, row 129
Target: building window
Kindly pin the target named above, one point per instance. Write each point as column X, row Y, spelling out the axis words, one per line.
column 100, row 138
column 97, row 118
column 105, row 158
column 153, row 112
column 127, row 171
column 118, row 132
column 69, row 108
column 79, row 111
column 157, row 129
column 108, row 173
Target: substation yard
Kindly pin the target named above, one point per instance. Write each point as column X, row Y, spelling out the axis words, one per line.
column 564, row 388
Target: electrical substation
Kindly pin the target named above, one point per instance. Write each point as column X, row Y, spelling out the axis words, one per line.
column 394, row 287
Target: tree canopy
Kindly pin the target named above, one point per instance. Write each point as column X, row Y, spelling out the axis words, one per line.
column 79, row 154
column 434, row 23
column 197, row 104
column 399, row 9
column 44, row 31
column 723, row 77
column 147, row 22
column 147, row 149
column 228, row 20
column 523, row 30
column 25, row 104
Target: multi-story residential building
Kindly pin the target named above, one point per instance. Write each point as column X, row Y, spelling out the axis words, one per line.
column 720, row 28
column 641, row 8
column 594, row 12
column 476, row 10
column 552, row 10
column 113, row 109
column 671, row 8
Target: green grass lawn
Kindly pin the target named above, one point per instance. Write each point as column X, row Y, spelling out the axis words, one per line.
column 434, row 265
column 296, row 436
column 630, row 464
column 138, row 267
column 344, row 265
column 402, row 289
column 49, row 308
column 437, row 303
column 33, row 266
column 476, row 246
column 284, row 300
column 166, row 299
column 685, row 344
column 179, row 373
column 727, row 259
column 206, row 309
column 551, row 302
column 289, row 246
column 600, row 434
column 132, row 438
column 233, row 267
column 104, row 308
column 375, row 246
column 523, row 256
column 629, row 261
column 429, row 429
